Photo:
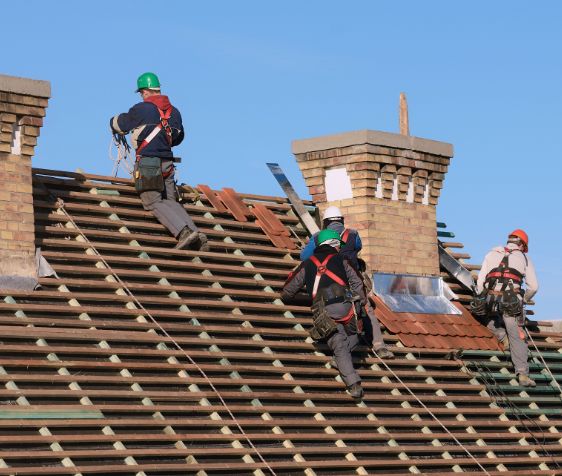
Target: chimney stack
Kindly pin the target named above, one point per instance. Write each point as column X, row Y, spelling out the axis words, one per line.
column 387, row 187
column 22, row 108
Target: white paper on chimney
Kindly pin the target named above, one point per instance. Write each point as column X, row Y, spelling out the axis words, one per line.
column 338, row 184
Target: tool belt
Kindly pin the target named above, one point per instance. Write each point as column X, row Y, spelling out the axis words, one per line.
column 506, row 301
column 148, row 174
column 323, row 326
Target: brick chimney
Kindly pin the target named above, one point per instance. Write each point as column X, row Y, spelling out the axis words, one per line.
column 387, row 186
column 22, row 108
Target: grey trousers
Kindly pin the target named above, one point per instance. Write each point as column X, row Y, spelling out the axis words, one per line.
column 502, row 325
column 372, row 330
column 342, row 345
column 164, row 205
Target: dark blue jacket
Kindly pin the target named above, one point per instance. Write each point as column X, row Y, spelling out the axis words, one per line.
column 349, row 249
column 140, row 122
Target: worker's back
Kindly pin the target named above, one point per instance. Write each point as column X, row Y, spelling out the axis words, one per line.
column 516, row 260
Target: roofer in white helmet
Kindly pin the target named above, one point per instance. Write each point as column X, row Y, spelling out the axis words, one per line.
column 351, row 242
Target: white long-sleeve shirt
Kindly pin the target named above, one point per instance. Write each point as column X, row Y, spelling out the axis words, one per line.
column 517, row 260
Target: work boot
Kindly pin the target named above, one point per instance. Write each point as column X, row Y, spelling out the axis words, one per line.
column 185, row 238
column 384, row 353
column 356, row 391
column 526, row 381
column 201, row 242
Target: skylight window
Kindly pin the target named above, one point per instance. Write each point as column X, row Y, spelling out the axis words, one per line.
column 411, row 293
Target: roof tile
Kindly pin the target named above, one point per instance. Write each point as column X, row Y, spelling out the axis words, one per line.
column 440, row 331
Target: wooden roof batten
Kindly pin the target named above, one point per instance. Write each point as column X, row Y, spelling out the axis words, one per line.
column 82, row 344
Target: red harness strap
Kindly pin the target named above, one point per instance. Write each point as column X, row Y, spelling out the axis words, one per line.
column 347, row 318
column 345, row 235
column 321, row 270
column 507, row 275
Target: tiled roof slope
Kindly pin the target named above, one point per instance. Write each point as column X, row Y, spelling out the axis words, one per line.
column 440, row 331
column 93, row 386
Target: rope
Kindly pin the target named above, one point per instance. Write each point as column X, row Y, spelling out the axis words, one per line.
column 60, row 206
column 431, row 414
column 500, row 397
column 297, row 237
column 543, row 361
column 124, row 155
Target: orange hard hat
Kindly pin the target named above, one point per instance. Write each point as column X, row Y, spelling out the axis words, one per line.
column 522, row 236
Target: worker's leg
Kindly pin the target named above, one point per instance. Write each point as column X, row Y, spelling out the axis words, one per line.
column 373, row 334
column 496, row 325
column 165, row 207
column 342, row 345
column 517, row 346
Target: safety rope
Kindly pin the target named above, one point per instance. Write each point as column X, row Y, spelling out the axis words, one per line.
column 296, row 236
column 501, row 398
column 60, row 206
column 543, row 361
column 466, row 450
column 124, row 155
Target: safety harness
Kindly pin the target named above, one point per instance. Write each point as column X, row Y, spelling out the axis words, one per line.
column 164, row 117
column 504, row 274
column 321, row 270
column 507, row 299
column 340, row 295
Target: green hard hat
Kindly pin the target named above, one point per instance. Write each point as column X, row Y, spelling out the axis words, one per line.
column 147, row 81
column 326, row 235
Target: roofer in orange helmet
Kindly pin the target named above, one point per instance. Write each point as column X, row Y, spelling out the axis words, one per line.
column 504, row 272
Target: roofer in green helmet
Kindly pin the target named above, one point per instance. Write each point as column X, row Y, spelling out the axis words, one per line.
column 337, row 293
column 155, row 127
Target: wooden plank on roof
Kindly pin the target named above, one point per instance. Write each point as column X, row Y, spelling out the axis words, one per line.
column 37, row 412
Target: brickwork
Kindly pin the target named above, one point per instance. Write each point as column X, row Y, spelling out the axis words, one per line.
column 22, row 108
column 395, row 191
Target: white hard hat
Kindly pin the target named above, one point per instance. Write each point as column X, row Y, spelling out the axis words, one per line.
column 332, row 212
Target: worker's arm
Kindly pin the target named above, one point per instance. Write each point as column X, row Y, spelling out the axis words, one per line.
column 308, row 250
column 484, row 270
column 355, row 281
column 294, row 283
column 358, row 243
column 126, row 122
column 531, row 281
column 357, row 286
column 176, row 124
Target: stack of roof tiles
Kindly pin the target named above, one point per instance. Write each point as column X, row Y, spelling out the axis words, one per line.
column 93, row 386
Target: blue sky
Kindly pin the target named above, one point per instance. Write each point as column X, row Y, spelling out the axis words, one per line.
column 250, row 76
